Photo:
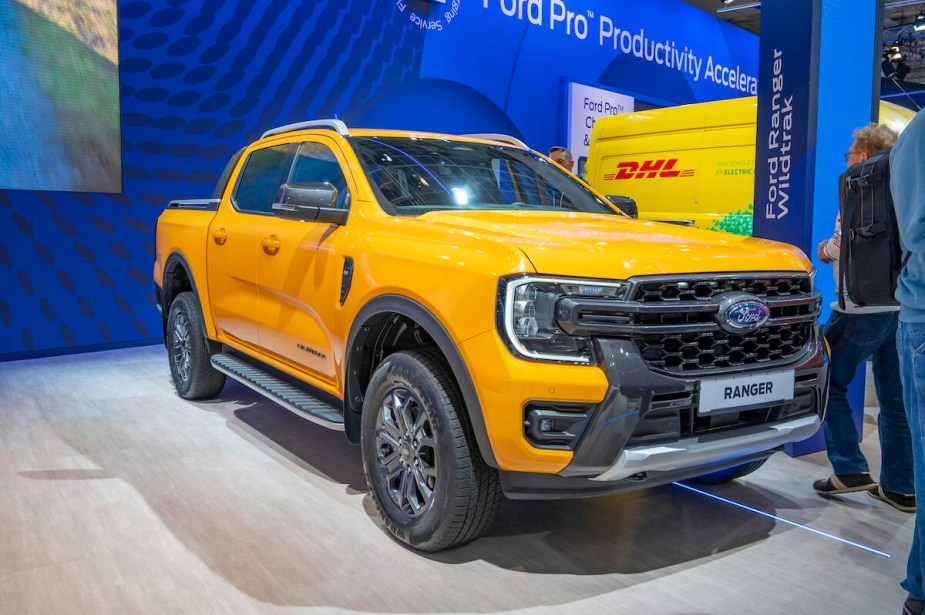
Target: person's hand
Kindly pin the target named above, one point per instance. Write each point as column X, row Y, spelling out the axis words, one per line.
column 820, row 252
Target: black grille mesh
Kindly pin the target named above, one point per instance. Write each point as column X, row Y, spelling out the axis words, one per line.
column 688, row 352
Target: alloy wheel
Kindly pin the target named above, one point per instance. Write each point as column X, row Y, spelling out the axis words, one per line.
column 406, row 452
column 182, row 353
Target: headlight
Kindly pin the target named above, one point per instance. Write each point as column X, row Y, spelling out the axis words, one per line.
column 526, row 316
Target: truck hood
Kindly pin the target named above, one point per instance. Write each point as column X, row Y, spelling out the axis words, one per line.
column 615, row 247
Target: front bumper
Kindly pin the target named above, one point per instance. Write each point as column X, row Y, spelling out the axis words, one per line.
column 647, row 430
column 694, row 452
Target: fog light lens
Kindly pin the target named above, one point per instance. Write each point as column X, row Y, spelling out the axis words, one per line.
column 551, row 426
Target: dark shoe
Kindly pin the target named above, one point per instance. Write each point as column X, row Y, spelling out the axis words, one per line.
column 847, row 483
column 905, row 503
column 913, row 606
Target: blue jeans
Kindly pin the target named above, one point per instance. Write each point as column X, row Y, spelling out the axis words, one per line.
column 853, row 338
column 910, row 341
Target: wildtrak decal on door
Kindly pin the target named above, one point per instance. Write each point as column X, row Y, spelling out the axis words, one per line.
column 312, row 351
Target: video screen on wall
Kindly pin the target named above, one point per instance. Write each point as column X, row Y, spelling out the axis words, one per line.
column 59, row 96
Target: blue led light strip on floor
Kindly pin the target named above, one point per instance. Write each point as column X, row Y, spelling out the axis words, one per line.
column 781, row 519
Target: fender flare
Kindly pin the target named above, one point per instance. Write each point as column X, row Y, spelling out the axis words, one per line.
column 421, row 315
column 178, row 260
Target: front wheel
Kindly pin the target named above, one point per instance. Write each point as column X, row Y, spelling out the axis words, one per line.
column 190, row 363
column 425, row 474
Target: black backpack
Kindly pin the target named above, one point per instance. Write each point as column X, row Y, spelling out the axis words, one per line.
column 871, row 256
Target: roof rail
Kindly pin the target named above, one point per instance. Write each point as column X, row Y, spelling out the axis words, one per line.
column 336, row 125
column 493, row 136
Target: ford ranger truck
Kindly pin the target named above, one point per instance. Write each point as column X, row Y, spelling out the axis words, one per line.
column 483, row 324
column 692, row 164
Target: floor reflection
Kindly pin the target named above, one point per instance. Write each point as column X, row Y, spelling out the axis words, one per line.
column 625, row 533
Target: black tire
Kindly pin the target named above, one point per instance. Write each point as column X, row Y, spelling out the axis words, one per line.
column 190, row 366
column 465, row 491
column 724, row 476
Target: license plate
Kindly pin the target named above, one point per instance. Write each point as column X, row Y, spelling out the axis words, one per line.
column 719, row 395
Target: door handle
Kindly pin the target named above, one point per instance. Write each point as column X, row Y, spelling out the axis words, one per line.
column 270, row 245
column 220, row 236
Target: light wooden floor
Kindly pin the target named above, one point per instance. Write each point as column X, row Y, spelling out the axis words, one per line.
column 116, row 496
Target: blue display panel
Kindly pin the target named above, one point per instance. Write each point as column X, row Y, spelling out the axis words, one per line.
column 59, row 96
column 787, row 103
column 807, row 48
column 502, row 62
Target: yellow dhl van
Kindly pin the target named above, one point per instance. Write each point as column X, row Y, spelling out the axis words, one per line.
column 693, row 164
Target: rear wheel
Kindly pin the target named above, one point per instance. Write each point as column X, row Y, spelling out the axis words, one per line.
column 426, row 476
column 724, row 476
column 190, row 364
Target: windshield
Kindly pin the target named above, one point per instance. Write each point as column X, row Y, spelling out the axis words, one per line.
column 412, row 176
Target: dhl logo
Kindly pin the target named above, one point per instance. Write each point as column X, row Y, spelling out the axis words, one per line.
column 648, row 169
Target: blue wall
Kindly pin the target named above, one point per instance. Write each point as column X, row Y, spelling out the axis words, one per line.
column 200, row 79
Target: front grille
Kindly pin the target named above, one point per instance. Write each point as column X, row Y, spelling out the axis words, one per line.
column 686, row 307
column 678, row 325
column 705, row 288
column 695, row 351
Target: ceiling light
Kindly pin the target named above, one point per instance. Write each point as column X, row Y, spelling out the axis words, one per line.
column 919, row 24
column 894, row 54
column 739, row 7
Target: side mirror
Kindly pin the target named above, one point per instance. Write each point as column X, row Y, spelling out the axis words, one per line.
column 624, row 204
column 310, row 202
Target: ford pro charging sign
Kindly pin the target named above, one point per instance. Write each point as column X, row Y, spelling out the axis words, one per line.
column 585, row 104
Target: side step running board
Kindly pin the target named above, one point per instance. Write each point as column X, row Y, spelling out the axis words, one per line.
column 280, row 391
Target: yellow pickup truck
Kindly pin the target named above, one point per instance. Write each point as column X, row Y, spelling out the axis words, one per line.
column 482, row 323
column 692, row 164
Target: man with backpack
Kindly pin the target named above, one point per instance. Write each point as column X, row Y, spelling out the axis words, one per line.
column 859, row 329
column 907, row 162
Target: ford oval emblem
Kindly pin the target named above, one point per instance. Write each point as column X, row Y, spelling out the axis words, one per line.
column 741, row 312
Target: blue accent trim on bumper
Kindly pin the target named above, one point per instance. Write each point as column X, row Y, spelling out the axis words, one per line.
column 624, row 415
